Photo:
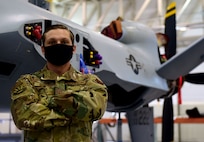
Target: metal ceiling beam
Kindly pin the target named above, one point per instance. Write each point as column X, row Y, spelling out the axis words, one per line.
column 129, row 7
column 99, row 22
column 95, row 10
column 84, row 13
column 126, row 9
column 73, row 10
column 160, row 11
column 180, row 13
column 121, row 9
column 144, row 6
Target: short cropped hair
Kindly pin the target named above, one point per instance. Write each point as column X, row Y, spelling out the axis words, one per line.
column 57, row 26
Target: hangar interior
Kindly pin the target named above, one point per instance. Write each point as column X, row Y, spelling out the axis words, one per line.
column 95, row 15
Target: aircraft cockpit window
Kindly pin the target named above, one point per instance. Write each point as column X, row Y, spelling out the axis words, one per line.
column 6, row 68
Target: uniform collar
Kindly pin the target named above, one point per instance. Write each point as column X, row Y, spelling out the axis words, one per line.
column 71, row 74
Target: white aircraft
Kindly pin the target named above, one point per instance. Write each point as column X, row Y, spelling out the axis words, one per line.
column 130, row 66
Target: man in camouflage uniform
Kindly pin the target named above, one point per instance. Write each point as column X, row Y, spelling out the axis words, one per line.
column 58, row 103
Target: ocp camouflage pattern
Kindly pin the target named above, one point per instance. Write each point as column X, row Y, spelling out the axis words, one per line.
column 52, row 108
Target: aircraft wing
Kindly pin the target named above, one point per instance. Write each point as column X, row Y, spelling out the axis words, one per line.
column 182, row 63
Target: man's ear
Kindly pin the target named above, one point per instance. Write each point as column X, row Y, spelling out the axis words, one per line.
column 74, row 48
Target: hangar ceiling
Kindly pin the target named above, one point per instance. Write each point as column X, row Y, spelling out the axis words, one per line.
column 96, row 14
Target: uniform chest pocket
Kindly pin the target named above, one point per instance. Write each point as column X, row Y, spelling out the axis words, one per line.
column 45, row 88
column 76, row 88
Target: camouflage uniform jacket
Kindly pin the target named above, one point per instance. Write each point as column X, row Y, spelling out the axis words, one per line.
column 52, row 108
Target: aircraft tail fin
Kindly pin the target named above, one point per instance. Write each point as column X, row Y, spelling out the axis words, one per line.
column 182, row 63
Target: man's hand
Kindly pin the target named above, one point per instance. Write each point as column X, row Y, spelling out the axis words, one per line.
column 63, row 103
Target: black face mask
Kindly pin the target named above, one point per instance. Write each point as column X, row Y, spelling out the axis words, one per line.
column 58, row 54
